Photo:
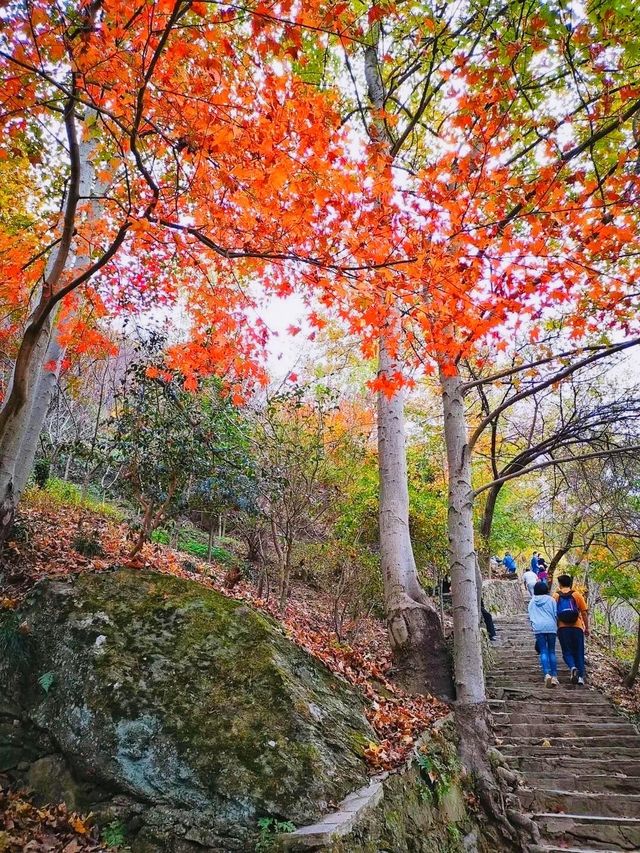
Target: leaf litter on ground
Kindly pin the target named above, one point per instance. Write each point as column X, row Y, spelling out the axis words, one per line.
column 28, row 828
column 397, row 717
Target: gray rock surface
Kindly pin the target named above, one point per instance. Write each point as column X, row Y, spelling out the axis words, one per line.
column 185, row 714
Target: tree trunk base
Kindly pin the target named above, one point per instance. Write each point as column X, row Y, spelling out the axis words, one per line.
column 419, row 649
column 493, row 787
column 7, row 519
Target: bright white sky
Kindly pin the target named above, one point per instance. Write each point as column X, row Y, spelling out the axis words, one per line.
column 285, row 350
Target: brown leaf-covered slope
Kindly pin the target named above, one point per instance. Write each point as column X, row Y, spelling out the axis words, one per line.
column 44, row 548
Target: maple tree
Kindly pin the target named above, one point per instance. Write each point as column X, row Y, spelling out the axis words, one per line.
column 178, row 149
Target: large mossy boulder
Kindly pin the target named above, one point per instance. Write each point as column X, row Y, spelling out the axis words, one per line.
column 187, row 715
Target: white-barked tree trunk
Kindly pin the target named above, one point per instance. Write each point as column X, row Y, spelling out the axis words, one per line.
column 415, row 629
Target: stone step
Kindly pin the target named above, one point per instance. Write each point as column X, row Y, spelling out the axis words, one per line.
column 544, row 848
column 520, row 640
column 564, row 728
column 515, row 668
column 554, row 800
column 593, row 783
column 597, row 833
column 566, row 707
column 537, row 682
column 610, row 743
column 530, row 765
column 566, row 703
column 518, row 636
column 565, row 747
column 535, row 714
column 539, row 691
column 564, row 690
column 521, row 628
column 552, row 757
column 519, row 676
column 529, row 668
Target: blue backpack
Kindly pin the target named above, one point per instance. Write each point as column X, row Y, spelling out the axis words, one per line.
column 567, row 608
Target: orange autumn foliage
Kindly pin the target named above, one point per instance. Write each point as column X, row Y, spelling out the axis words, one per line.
column 214, row 161
column 220, row 163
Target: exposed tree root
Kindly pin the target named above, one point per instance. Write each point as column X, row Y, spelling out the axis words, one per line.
column 419, row 648
column 493, row 780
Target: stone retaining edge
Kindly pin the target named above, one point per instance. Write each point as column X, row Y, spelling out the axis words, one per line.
column 350, row 810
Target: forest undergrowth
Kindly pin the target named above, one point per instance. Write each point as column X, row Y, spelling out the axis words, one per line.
column 45, row 544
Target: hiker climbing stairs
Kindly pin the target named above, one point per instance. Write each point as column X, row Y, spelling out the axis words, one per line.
column 578, row 757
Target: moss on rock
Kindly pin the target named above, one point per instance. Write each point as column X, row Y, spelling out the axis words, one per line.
column 189, row 702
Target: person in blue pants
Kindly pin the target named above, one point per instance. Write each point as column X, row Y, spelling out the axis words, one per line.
column 573, row 627
column 543, row 617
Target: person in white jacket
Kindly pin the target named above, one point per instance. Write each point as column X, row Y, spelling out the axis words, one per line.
column 543, row 611
column 530, row 579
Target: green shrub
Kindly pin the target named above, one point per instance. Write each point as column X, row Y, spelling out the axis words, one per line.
column 88, row 544
column 62, row 493
column 269, row 828
column 194, row 542
column 113, row 834
column 41, row 472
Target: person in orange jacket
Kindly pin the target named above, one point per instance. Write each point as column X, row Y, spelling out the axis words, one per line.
column 573, row 626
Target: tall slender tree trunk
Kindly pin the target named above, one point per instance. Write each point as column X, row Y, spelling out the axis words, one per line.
column 210, row 540
column 635, row 666
column 471, row 709
column 415, row 629
column 37, row 365
column 42, row 396
column 14, row 462
column 486, row 525
column 469, row 677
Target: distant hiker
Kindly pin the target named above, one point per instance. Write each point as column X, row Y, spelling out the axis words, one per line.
column 488, row 621
column 534, row 562
column 542, row 615
column 543, row 574
column 494, row 562
column 573, row 626
column 509, row 563
column 530, row 579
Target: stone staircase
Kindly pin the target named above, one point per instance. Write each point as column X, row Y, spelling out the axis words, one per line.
column 578, row 757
